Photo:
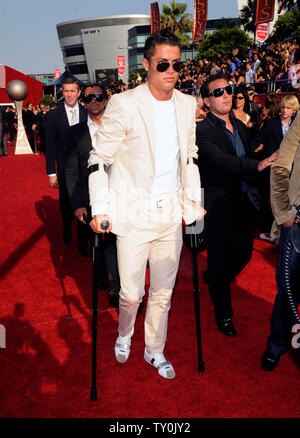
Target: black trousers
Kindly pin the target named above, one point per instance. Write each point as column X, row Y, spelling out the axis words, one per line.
column 229, row 249
column 281, row 320
column 65, row 204
column 107, row 268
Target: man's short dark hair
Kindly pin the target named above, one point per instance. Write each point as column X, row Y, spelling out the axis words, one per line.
column 71, row 80
column 160, row 37
column 204, row 89
column 96, row 84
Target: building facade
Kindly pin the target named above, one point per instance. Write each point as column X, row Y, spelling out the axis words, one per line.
column 137, row 37
column 91, row 47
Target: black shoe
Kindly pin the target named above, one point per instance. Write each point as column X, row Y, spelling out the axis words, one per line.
column 226, row 327
column 67, row 237
column 102, row 284
column 205, row 276
column 113, row 297
column 269, row 361
column 85, row 252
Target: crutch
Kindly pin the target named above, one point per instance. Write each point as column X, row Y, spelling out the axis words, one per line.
column 195, row 241
column 96, row 257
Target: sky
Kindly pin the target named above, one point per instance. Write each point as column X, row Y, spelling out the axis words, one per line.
column 29, row 41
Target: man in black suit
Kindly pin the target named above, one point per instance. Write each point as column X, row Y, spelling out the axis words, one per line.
column 3, row 132
column 29, row 120
column 11, row 121
column 79, row 145
column 41, row 126
column 254, row 107
column 226, row 176
column 266, row 141
column 57, row 125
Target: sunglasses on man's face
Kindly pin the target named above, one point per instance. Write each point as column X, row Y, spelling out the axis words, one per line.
column 162, row 66
column 87, row 98
column 218, row 92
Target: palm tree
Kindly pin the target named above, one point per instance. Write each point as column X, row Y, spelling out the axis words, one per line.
column 175, row 18
column 247, row 16
column 287, row 4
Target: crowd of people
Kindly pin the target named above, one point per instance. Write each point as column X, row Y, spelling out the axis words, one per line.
column 261, row 70
column 266, row 68
column 34, row 121
column 99, row 135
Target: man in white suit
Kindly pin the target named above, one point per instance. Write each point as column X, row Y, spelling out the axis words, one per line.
column 143, row 181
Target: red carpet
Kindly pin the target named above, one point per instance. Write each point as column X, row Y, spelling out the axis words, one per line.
column 46, row 290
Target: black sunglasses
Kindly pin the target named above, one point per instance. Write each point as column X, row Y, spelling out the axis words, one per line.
column 240, row 97
column 218, row 92
column 87, row 98
column 162, row 66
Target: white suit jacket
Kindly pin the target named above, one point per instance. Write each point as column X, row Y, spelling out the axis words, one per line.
column 126, row 141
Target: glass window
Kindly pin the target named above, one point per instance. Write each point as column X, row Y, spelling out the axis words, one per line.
column 73, row 51
column 78, row 68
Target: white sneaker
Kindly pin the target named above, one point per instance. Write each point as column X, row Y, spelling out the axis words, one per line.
column 162, row 365
column 267, row 236
column 122, row 348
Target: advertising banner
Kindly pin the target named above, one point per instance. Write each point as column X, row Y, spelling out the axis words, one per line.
column 264, row 11
column 56, row 73
column 121, row 65
column 200, row 18
column 155, row 17
column 262, row 32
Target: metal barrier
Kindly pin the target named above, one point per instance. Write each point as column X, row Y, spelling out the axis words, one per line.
column 270, row 86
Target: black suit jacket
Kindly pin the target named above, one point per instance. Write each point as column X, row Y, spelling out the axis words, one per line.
column 57, row 126
column 222, row 171
column 79, row 144
column 270, row 135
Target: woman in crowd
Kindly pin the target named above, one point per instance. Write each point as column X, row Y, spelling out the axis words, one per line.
column 241, row 106
column 259, row 79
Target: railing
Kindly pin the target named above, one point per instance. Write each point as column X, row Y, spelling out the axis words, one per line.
column 266, row 86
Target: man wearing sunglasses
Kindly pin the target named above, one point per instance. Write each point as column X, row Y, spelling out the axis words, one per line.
column 254, row 107
column 147, row 134
column 79, row 144
column 227, row 175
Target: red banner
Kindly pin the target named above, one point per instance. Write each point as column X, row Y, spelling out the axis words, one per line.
column 200, row 18
column 155, row 17
column 262, row 32
column 264, row 11
column 121, row 65
column 56, row 73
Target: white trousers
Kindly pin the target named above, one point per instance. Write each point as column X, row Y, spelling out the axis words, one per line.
column 156, row 238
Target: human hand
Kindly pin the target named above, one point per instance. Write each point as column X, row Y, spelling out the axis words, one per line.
column 96, row 222
column 53, row 181
column 80, row 214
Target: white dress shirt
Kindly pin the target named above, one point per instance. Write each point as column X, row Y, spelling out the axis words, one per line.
column 93, row 127
column 166, row 181
column 72, row 114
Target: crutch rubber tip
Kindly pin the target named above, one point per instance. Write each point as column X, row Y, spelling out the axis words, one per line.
column 94, row 395
column 201, row 368
column 104, row 225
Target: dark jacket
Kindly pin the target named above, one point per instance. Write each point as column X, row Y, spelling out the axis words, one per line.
column 79, row 144
column 221, row 170
column 57, row 126
column 270, row 135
